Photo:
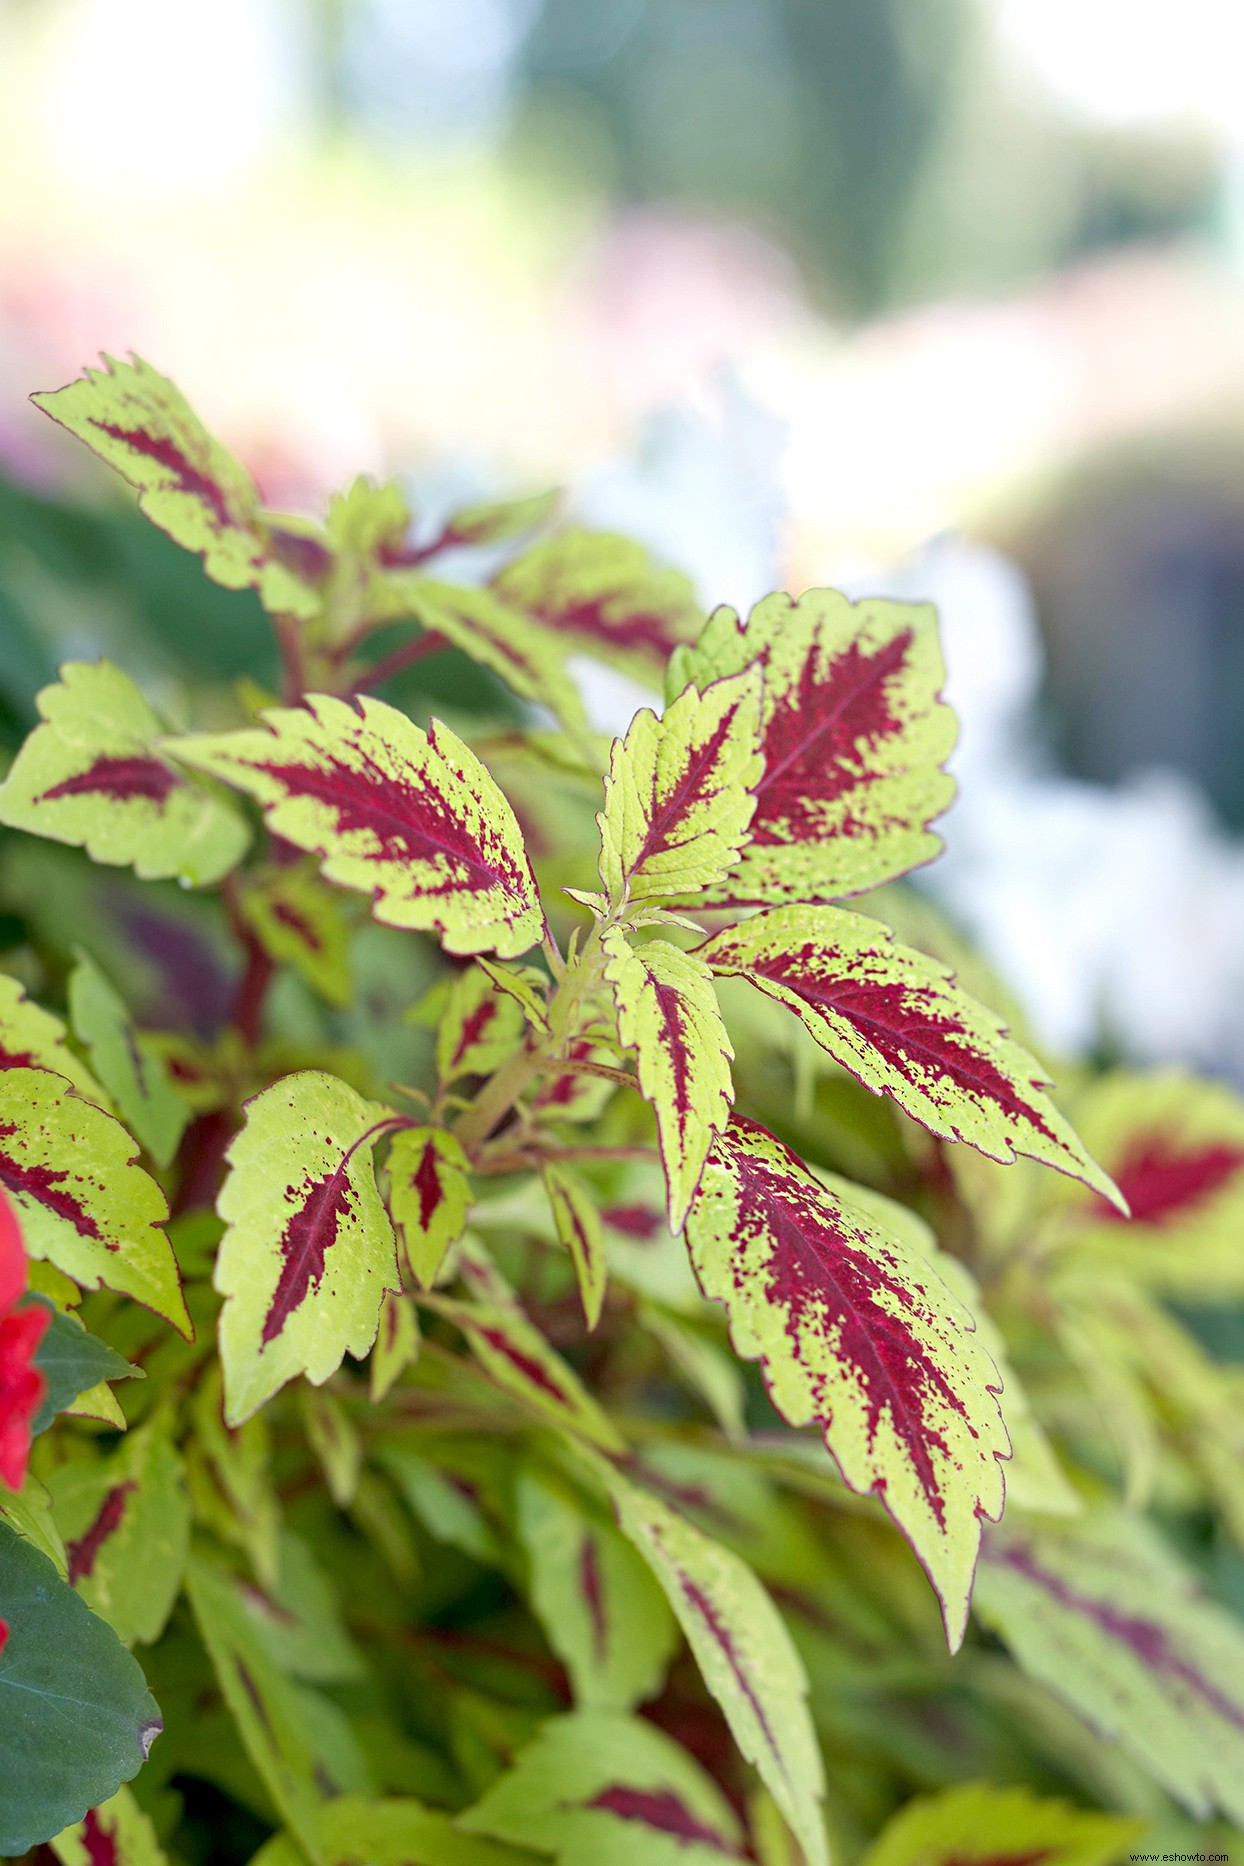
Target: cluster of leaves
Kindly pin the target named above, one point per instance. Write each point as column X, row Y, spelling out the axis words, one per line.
column 507, row 1384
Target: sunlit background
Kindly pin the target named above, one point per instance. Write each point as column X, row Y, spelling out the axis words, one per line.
column 939, row 297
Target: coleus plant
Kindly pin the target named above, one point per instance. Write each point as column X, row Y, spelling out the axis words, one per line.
column 526, row 1459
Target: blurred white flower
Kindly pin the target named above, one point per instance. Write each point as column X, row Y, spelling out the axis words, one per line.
column 1116, row 915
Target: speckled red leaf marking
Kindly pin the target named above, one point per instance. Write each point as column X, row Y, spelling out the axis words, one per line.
column 660, row 1809
column 121, row 778
column 812, row 740
column 47, row 1185
column 310, row 1233
column 1148, row 1639
column 826, row 1277
column 4, row 1636
column 906, row 1026
column 1164, row 1180
column 101, row 1846
column 83, row 1553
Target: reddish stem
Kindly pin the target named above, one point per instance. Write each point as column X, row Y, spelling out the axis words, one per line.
column 402, row 657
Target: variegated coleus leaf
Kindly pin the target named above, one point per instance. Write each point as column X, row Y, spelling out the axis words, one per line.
column 309, row 1250
column 668, row 1014
column 577, row 1220
column 495, row 633
column 679, row 793
column 498, row 521
column 410, row 817
column 744, row 1652
column 189, row 484
column 32, row 1038
column 300, row 923
column 518, row 1358
column 604, row 595
column 117, row 1833
column 429, row 1196
column 857, row 1334
column 599, row 1788
column 130, row 1067
column 479, row 1027
column 602, row 1612
column 854, row 737
column 84, row 1205
column 92, row 775
column 125, row 1521
column 397, row 1345
column 979, row 1824
column 1175, row 1147
column 898, row 1022
column 1104, row 1614
column 1035, row 1481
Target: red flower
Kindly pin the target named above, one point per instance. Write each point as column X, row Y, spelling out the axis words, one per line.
column 22, row 1386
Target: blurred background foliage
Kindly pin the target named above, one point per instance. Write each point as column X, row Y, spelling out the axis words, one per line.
column 945, row 295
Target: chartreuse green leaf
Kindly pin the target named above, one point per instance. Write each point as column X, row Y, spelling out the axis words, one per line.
column 604, row 595
column 92, row 776
column 133, row 1072
column 230, row 1479
column 1102, row 1613
column 854, row 739
column 69, row 1171
column 125, row 1520
column 599, row 1788
column 856, row 1334
column 679, row 793
column 707, row 1368
column 264, row 1705
column 411, row 818
column 73, row 1363
column 188, row 483
column 429, row 1196
column 578, row 1225
column 309, row 1250
column 743, row 1650
column 333, row 1437
column 898, row 1022
column 32, row 1038
column 397, row 1344
column 602, row 1612
column 496, row 522
column 300, row 1622
column 978, row 1824
column 391, row 1833
column 479, row 1028
column 668, row 1014
column 1174, row 1145
column 300, row 923
column 116, row 1834
column 495, row 633
column 76, row 1717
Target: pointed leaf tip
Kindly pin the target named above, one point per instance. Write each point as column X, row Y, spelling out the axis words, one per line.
column 857, row 1334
